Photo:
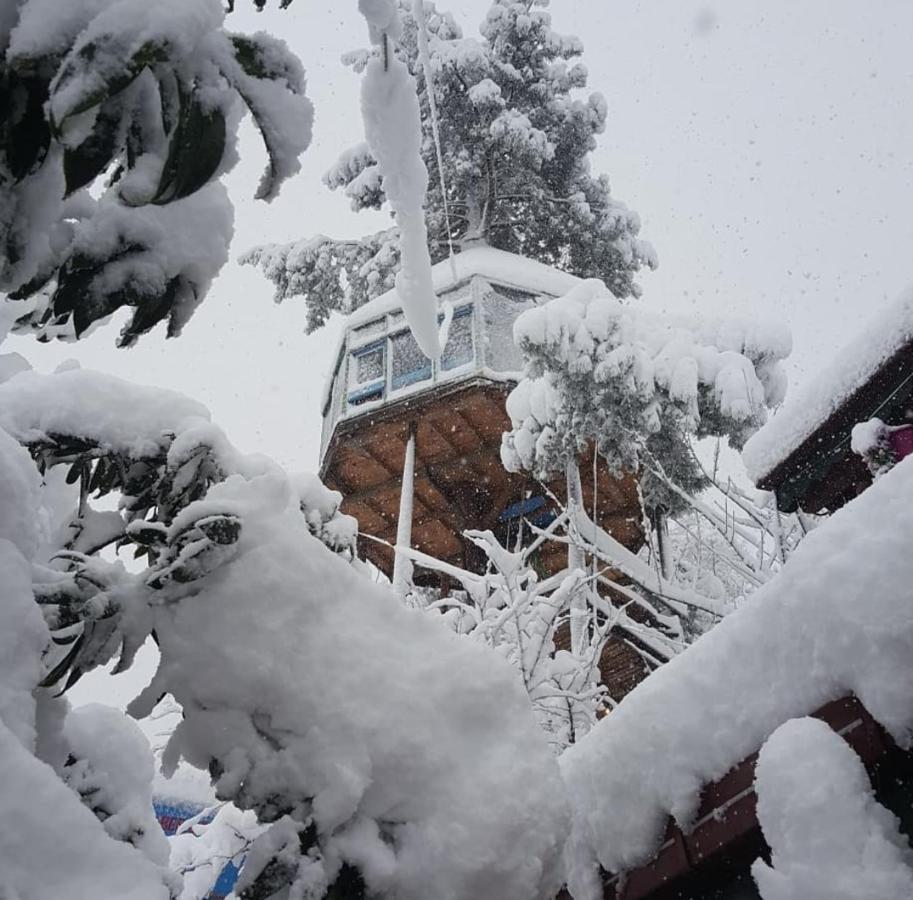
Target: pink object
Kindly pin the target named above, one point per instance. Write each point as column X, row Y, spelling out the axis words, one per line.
column 901, row 441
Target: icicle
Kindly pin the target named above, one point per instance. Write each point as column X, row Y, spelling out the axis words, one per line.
column 402, row 565
column 392, row 118
column 418, row 13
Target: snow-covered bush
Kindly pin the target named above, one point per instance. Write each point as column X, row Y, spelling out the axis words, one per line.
column 510, row 168
column 160, row 453
column 118, row 119
column 553, row 630
column 829, row 837
column 511, row 610
column 637, row 385
column 56, row 845
column 882, row 446
column 310, row 694
column 728, row 541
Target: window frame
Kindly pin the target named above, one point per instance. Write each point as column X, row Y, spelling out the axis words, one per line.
column 467, row 310
column 416, row 376
column 374, row 389
column 383, row 387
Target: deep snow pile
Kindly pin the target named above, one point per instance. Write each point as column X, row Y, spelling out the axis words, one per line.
column 415, row 751
column 836, row 620
column 113, row 770
column 829, row 837
column 853, row 366
column 364, row 732
column 128, row 418
column 52, row 845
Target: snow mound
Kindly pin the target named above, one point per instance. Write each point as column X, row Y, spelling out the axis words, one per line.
column 53, row 846
column 829, row 838
column 415, row 751
column 808, row 409
column 120, row 770
column 836, row 620
column 114, row 413
column 487, row 262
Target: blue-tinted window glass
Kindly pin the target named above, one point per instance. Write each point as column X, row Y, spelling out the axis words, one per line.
column 408, row 364
column 366, row 374
column 458, row 351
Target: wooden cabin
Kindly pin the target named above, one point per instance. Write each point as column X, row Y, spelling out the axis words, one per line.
column 383, row 389
column 712, row 860
column 804, row 453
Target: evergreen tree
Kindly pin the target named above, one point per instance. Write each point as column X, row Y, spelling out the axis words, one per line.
column 515, row 140
column 139, row 102
column 640, row 387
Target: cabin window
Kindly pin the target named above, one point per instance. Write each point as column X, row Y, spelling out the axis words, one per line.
column 366, row 374
column 408, row 364
column 458, row 351
column 368, row 330
column 500, row 310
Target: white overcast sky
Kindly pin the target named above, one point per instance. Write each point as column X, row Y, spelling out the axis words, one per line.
column 767, row 147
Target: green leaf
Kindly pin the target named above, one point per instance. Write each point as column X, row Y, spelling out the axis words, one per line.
column 74, row 89
column 255, row 61
column 75, row 674
column 170, row 96
column 220, row 529
column 264, row 62
column 75, row 296
column 152, row 534
column 65, row 640
column 35, row 285
column 83, row 164
column 76, row 471
column 100, row 476
column 24, row 132
column 57, row 672
column 149, row 313
column 195, row 150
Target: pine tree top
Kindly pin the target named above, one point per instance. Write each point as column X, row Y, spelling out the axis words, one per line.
column 516, row 133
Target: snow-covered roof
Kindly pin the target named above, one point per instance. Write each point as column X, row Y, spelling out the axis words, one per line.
column 815, row 633
column 498, row 265
column 854, row 365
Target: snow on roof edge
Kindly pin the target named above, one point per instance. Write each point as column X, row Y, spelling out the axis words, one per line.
column 808, row 409
column 498, row 265
column 814, row 633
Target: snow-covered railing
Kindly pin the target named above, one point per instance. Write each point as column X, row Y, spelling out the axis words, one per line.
column 816, row 632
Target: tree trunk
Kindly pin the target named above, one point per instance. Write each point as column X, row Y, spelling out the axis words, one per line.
column 576, row 559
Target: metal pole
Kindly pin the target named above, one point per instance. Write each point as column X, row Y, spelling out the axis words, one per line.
column 576, row 559
column 402, row 565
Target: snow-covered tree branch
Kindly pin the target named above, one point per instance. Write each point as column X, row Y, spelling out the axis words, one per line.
column 313, row 698
column 514, row 142
column 118, row 120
